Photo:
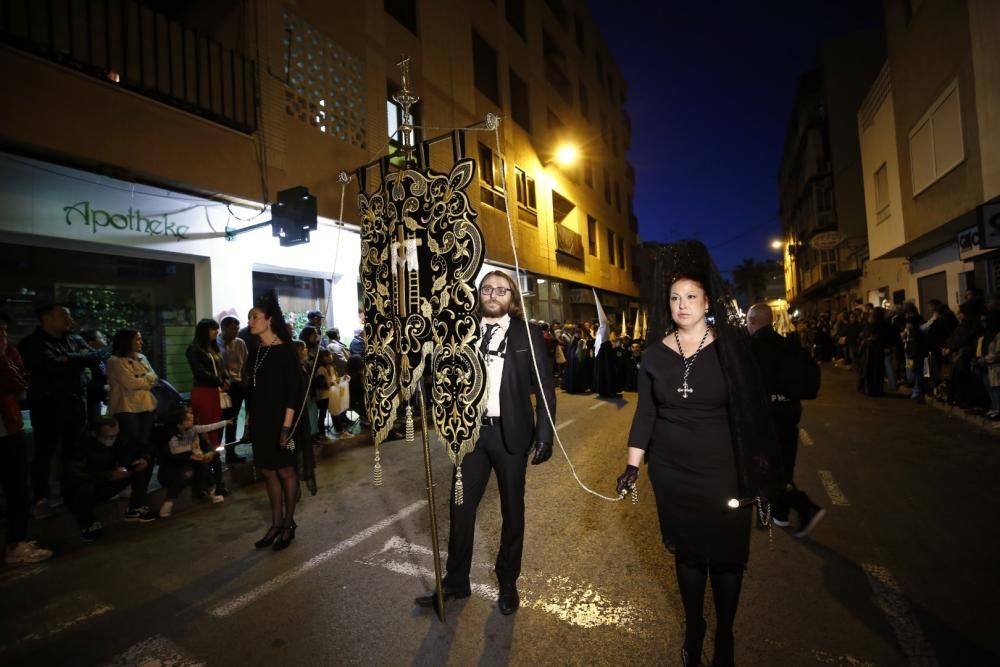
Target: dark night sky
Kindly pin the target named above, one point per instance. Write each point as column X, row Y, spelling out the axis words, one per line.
column 710, row 90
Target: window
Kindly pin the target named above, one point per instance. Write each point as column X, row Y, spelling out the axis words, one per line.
column 520, row 102
column 618, row 198
column 484, row 65
column 611, row 247
column 581, row 42
column 592, row 236
column 881, row 193
column 621, row 252
column 588, row 172
column 517, row 18
column 584, row 102
column 404, row 11
column 607, row 185
column 936, row 144
column 491, row 177
column 555, row 124
column 558, row 10
column 525, row 189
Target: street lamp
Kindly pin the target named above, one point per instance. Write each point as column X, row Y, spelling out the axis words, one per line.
column 776, row 244
column 566, row 155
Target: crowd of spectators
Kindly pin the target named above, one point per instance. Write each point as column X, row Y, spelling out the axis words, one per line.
column 104, row 424
column 951, row 357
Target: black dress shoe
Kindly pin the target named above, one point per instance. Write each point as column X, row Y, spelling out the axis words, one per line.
column 269, row 537
column 508, row 602
column 430, row 600
column 286, row 536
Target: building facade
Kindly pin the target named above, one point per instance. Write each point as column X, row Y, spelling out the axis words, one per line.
column 930, row 135
column 820, row 184
column 146, row 133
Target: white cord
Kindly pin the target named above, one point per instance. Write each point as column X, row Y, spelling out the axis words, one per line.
column 531, row 345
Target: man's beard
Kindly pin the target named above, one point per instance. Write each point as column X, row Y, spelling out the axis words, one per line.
column 494, row 309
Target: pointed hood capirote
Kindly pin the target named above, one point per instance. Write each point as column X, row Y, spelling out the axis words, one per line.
column 758, row 459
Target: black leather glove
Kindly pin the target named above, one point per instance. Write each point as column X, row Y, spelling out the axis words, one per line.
column 627, row 480
column 543, row 451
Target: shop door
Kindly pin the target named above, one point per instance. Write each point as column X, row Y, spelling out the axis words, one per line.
column 934, row 286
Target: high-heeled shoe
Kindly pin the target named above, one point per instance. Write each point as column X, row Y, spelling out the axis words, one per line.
column 283, row 542
column 270, row 536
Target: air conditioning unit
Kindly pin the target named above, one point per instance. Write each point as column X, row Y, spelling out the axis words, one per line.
column 527, row 283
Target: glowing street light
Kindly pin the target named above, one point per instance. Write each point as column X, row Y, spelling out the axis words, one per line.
column 567, row 154
column 776, row 244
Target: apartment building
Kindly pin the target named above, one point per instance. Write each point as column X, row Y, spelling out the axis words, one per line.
column 930, row 137
column 143, row 138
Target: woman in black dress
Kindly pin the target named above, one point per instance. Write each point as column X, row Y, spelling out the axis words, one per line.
column 700, row 412
column 276, row 391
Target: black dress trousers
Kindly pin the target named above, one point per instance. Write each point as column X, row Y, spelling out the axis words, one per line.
column 489, row 454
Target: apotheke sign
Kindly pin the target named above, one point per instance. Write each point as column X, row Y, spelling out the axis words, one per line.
column 81, row 213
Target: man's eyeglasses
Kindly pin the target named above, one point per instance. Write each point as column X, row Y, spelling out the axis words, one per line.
column 487, row 290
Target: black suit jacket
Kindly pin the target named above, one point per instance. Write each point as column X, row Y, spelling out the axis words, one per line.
column 520, row 424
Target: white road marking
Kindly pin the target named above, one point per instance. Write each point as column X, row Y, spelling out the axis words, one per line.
column 157, row 651
column 21, row 572
column 805, row 438
column 895, row 606
column 577, row 604
column 241, row 601
column 51, row 629
column 566, row 423
column 599, row 404
column 837, row 496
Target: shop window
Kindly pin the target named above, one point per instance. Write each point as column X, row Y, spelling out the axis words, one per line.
column 484, row 65
column 405, row 13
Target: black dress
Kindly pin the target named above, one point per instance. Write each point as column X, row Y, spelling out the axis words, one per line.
column 275, row 385
column 691, row 462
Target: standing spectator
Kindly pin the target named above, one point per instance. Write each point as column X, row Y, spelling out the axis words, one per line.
column 991, row 361
column 325, row 378
column 275, row 390
column 915, row 354
column 14, row 455
column 97, row 375
column 314, row 318
column 341, row 354
column 964, row 389
column 871, row 361
column 251, row 342
column 211, row 386
column 356, row 384
column 357, row 345
column 57, row 392
column 131, row 402
column 938, row 328
column 101, row 469
column 234, row 358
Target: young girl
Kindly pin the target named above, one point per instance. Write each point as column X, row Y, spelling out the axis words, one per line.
column 326, row 376
column 182, row 458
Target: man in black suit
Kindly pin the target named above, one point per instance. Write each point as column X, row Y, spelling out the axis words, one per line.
column 511, row 430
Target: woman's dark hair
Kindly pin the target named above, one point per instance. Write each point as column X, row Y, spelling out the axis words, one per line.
column 121, row 342
column 267, row 303
column 202, row 334
column 307, row 333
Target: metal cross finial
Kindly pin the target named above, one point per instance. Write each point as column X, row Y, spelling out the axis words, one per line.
column 405, row 99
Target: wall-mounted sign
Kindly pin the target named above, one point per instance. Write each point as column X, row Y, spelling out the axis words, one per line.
column 81, row 213
column 970, row 243
column 989, row 225
column 827, row 240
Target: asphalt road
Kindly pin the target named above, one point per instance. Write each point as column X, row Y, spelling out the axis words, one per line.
column 901, row 572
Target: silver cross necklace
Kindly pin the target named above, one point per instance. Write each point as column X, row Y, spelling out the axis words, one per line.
column 685, row 389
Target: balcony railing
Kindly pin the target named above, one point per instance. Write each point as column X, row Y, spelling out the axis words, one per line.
column 132, row 46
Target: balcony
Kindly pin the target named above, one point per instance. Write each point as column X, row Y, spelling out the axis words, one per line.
column 569, row 242
column 126, row 44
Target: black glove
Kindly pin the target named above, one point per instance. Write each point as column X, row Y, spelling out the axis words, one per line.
column 543, row 450
column 627, row 480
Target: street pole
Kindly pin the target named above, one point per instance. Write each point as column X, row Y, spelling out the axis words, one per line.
column 439, row 586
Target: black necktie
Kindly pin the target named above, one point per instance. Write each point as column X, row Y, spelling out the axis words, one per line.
column 484, row 345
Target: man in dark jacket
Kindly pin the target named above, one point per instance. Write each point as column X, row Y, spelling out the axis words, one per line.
column 511, row 430
column 780, row 368
column 101, row 468
column 57, row 393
